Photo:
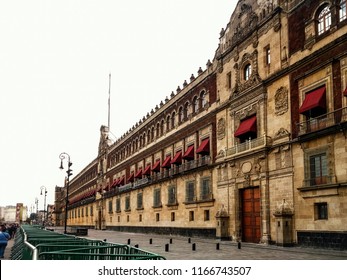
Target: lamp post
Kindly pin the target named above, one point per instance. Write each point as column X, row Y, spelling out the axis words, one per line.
column 37, row 206
column 44, row 205
column 63, row 156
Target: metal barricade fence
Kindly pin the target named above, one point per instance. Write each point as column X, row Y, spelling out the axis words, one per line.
column 33, row 243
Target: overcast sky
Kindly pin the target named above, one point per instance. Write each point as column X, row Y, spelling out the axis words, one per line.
column 55, row 61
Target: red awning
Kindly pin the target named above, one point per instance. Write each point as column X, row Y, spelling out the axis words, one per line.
column 313, row 100
column 167, row 162
column 204, row 147
column 131, row 177
column 121, row 181
column 147, row 170
column 189, row 154
column 177, row 159
column 115, row 182
column 156, row 166
column 345, row 92
column 247, row 125
column 139, row 174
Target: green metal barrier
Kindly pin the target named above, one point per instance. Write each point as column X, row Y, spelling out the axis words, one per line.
column 34, row 243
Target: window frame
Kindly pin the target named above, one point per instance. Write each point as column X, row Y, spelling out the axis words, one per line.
column 247, row 71
column 324, row 20
column 342, row 10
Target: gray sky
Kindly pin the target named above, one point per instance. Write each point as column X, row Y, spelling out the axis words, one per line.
column 55, row 60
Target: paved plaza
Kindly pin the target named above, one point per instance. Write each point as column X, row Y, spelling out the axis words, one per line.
column 194, row 248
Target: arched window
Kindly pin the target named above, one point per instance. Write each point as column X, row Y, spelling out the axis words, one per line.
column 195, row 104
column 247, row 72
column 162, row 128
column 324, row 20
column 203, row 100
column 168, row 123
column 180, row 115
column 149, row 136
column 342, row 14
column 152, row 133
column 158, row 130
column 185, row 111
column 144, row 139
column 140, row 141
column 173, row 120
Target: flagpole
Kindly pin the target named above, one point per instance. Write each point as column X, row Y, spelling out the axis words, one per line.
column 109, row 100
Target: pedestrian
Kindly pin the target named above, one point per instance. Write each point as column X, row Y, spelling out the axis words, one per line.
column 4, row 237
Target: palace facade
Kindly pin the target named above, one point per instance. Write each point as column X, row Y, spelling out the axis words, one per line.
column 253, row 148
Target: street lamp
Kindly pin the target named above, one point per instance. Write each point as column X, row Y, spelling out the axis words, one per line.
column 44, row 205
column 63, row 156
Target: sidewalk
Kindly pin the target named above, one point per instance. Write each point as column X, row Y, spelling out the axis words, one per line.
column 179, row 248
column 184, row 248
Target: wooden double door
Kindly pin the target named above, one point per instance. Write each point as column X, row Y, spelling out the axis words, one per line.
column 251, row 220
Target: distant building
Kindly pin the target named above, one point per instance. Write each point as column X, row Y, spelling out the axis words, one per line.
column 253, row 148
column 14, row 214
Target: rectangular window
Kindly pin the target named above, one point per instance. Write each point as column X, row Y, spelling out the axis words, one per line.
column 321, row 211
column 191, row 216
column 140, row 218
column 229, row 80
column 267, row 55
column 79, row 213
column 127, row 203
column 118, row 209
column 139, row 201
column 205, row 192
column 86, row 211
column 110, row 206
column 157, row 217
column 82, row 212
column 156, row 198
column 190, row 192
column 91, row 211
column 172, row 195
column 172, row 216
column 318, row 169
column 206, row 215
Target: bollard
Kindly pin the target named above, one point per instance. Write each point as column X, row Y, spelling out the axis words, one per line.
column 193, row 246
column 136, row 246
column 217, row 246
column 105, row 240
column 150, row 241
column 129, row 241
column 166, row 247
column 189, row 240
column 170, row 240
column 239, row 245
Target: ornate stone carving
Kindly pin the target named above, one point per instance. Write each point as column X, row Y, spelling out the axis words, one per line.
column 281, row 101
column 221, row 129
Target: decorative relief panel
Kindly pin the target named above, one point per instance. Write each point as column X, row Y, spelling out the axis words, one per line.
column 281, row 101
column 221, row 129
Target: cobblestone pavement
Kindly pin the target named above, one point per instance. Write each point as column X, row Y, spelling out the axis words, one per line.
column 194, row 248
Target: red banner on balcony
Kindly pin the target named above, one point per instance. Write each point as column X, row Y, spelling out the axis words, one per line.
column 345, row 92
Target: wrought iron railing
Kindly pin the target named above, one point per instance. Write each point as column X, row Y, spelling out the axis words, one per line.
column 323, row 121
column 249, row 145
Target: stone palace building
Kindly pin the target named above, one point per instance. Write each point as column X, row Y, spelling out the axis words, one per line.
column 252, row 148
